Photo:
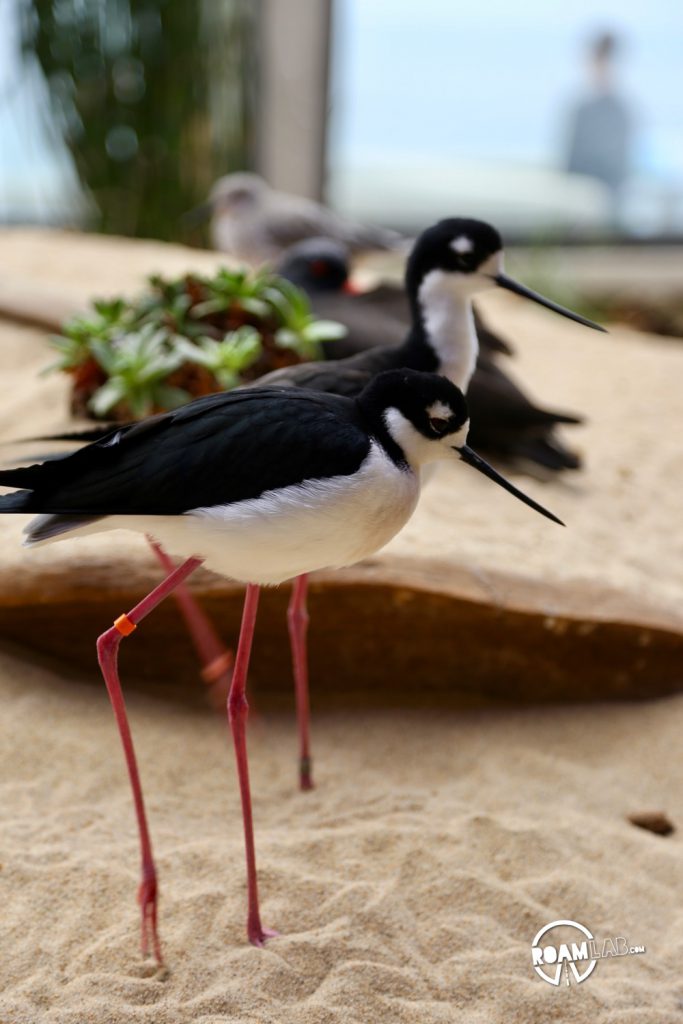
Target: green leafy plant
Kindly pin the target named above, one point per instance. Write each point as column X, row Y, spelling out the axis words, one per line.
column 226, row 359
column 262, row 295
column 235, row 287
column 109, row 319
column 186, row 337
column 137, row 368
column 300, row 330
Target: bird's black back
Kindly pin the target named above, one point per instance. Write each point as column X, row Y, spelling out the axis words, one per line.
column 220, row 449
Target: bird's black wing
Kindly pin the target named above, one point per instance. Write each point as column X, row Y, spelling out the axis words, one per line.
column 392, row 300
column 505, row 423
column 367, row 325
column 493, row 395
column 216, row 450
column 345, row 377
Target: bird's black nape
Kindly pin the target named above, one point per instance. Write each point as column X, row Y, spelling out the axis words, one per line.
column 316, row 265
column 455, row 245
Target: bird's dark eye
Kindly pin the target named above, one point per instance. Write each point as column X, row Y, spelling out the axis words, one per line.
column 319, row 268
column 438, row 424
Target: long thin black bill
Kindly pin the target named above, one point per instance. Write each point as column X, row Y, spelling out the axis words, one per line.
column 519, row 289
column 476, row 461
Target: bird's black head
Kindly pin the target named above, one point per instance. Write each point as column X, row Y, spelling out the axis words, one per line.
column 464, row 256
column 316, row 265
column 421, row 417
column 457, row 245
column 415, row 410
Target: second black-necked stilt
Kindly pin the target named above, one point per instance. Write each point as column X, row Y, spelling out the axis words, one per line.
column 506, row 423
column 262, row 485
column 450, row 263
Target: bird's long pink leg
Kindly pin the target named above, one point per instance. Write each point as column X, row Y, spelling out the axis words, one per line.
column 238, row 710
column 297, row 621
column 107, row 653
column 215, row 657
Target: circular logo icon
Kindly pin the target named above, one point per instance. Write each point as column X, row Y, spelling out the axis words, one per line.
column 569, row 951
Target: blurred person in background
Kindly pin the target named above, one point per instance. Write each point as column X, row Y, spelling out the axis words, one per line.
column 601, row 125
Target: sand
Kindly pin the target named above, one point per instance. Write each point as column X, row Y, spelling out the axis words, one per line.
column 407, row 887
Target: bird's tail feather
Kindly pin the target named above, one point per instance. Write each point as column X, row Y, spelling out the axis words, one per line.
column 46, row 525
column 20, row 476
column 562, row 417
column 548, row 452
column 87, row 435
column 15, row 502
column 49, row 525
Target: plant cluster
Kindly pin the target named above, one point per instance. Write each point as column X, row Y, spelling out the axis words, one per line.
column 186, row 337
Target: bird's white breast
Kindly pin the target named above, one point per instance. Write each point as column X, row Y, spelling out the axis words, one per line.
column 314, row 525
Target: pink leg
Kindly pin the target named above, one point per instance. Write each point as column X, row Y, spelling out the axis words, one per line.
column 297, row 621
column 238, row 709
column 216, row 659
column 107, row 653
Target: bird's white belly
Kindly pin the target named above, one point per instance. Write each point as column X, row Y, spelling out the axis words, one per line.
column 316, row 525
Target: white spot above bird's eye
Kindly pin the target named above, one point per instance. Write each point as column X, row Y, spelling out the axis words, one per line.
column 439, row 411
column 462, row 244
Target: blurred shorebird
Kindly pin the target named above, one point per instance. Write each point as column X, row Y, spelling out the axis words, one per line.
column 506, row 423
column 261, row 485
column 254, row 222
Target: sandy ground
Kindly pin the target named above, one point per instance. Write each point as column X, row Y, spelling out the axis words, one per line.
column 407, row 887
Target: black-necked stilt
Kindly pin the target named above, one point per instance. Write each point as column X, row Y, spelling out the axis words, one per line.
column 262, row 485
column 255, row 223
column 450, row 263
column 506, row 423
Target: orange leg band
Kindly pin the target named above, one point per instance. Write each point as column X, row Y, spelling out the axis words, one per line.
column 124, row 625
column 213, row 672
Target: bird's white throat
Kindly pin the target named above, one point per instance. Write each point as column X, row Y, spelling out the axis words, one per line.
column 448, row 318
column 420, row 450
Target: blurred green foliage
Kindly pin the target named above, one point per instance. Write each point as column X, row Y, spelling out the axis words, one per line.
column 154, row 99
column 129, row 358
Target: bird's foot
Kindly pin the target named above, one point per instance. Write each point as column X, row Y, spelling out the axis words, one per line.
column 306, row 774
column 147, row 898
column 218, row 677
column 258, row 935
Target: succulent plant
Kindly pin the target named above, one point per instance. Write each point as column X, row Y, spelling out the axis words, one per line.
column 225, row 359
column 207, row 333
column 137, row 367
column 109, row 319
column 300, row 330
